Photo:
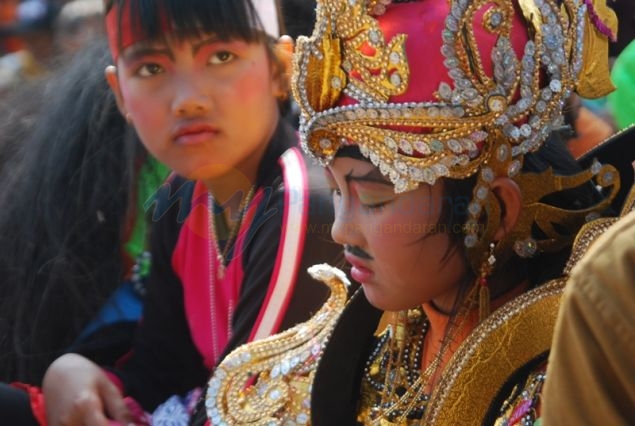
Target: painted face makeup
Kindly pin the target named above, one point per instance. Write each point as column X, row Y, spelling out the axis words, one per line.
column 202, row 106
column 396, row 246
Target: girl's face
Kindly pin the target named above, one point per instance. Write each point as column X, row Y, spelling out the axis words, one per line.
column 202, row 106
column 398, row 250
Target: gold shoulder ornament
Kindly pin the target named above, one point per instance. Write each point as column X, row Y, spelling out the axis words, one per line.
column 268, row 382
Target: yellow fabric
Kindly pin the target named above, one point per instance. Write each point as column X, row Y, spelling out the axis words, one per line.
column 591, row 372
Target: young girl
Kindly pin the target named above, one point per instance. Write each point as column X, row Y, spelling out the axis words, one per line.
column 432, row 117
column 202, row 83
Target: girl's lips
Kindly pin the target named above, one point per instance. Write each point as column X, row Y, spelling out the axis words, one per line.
column 195, row 138
column 192, row 134
column 359, row 272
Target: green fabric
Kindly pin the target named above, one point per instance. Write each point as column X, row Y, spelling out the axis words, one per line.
column 151, row 175
column 622, row 100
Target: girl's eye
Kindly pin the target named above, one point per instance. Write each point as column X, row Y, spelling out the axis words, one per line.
column 148, row 70
column 221, row 57
column 373, row 202
column 376, row 206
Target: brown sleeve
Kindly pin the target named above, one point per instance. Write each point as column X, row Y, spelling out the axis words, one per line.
column 591, row 372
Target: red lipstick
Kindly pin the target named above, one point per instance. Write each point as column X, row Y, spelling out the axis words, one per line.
column 359, row 271
column 194, row 133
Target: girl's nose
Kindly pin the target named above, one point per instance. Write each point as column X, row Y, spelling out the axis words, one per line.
column 191, row 100
column 346, row 227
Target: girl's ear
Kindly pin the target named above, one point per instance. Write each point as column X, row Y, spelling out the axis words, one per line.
column 510, row 198
column 284, row 53
column 113, row 81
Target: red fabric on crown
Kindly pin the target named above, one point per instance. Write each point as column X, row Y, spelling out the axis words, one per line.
column 423, row 23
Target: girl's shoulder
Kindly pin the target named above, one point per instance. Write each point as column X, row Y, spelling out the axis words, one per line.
column 167, row 209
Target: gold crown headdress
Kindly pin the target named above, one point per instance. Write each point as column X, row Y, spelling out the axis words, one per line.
column 493, row 102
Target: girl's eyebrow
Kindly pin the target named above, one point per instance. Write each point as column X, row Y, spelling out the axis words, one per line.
column 142, row 49
column 209, row 40
column 373, row 176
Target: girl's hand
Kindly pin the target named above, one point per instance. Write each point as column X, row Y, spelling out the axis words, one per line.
column 78, row 393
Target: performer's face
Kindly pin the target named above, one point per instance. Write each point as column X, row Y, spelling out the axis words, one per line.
column 398, row 249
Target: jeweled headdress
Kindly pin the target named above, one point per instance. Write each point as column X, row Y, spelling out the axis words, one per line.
column 452, row 88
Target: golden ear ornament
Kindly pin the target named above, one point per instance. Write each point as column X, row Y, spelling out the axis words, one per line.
column 557, row 227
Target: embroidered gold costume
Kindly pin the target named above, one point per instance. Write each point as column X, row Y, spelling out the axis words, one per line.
column 428, row 90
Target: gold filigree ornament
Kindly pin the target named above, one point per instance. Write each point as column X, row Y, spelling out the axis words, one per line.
column 268, row 382
column 484, row 121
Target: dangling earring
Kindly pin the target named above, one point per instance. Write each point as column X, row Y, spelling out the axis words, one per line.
column 483, row 290
column 526, row 248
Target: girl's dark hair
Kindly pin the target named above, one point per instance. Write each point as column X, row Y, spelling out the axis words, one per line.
column 67, row 188
column 227, row 19
column 299, row 17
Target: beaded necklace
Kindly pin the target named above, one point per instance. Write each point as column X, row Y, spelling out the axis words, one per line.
column 393, row 368
column 401, row 398
column 221, row 256
column 218, row 272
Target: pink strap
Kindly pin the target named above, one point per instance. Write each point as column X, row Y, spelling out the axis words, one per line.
column 283, row 279
column 191, row 262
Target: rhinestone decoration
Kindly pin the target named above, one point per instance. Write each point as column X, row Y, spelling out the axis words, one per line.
column 286, row 364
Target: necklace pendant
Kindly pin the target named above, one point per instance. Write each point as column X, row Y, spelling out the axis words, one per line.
column 220, row 271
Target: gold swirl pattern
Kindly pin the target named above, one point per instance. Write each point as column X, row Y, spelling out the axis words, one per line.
column 268, row 382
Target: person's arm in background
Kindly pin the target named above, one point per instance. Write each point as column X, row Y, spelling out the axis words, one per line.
column 163, row 362
column 590, row 375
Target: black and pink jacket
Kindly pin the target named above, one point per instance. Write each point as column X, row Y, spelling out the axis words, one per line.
column 193, row 316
